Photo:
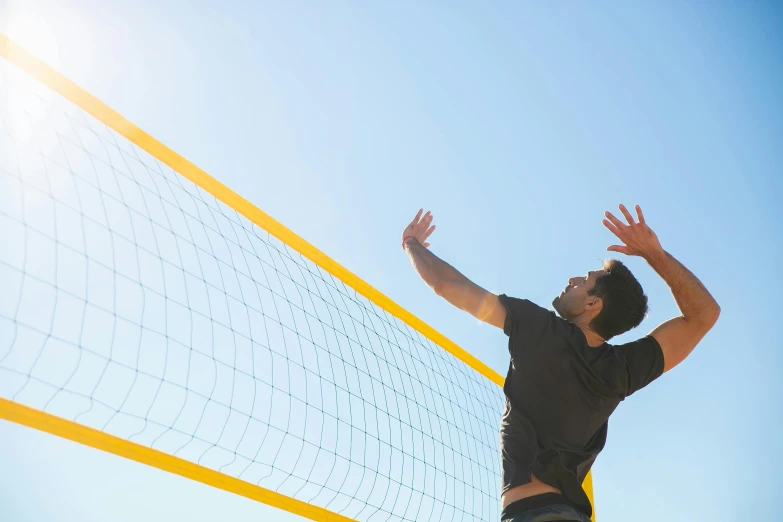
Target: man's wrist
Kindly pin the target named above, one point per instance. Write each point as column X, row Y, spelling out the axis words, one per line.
column 408, row 239
column 656, row 257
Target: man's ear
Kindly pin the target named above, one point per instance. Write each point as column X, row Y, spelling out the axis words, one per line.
column 594, row 303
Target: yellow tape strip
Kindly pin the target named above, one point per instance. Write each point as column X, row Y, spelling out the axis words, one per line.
column 33, row 418
column 102, row 112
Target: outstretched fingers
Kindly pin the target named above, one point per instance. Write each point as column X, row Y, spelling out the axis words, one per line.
column 418, row 217
column 618, row 225
column 613, row 229
column 627, row 215
column 641, row 216
column 421, row 227
column 619, row 248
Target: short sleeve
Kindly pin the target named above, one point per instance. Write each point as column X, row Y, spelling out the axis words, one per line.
column 643, row 362
column 525, row 321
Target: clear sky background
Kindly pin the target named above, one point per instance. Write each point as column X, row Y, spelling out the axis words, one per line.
column 517, row 126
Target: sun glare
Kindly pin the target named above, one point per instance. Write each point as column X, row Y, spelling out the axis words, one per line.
column 25, row 104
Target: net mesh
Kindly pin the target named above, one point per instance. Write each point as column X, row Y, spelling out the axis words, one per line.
column 136, row 303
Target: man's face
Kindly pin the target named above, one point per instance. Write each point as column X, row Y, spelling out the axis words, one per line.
column 574, row 300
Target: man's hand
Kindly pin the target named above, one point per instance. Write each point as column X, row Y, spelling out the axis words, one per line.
column 638, row 238
column 420, row 228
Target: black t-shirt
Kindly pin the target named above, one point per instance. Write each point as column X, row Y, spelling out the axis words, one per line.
column 560, row 393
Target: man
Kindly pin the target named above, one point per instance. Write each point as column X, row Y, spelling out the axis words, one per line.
column 565, row 379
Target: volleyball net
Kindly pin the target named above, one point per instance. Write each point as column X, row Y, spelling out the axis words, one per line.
column 150, row 311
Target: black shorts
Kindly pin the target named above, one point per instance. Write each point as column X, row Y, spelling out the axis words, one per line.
column 549, row 507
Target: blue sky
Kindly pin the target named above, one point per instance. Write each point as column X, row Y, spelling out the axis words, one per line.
column 517, row 126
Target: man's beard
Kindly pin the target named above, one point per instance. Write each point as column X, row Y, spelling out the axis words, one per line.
column 560, row 307
column 556, row 302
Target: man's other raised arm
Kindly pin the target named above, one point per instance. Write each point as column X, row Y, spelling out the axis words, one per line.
column 680, row 335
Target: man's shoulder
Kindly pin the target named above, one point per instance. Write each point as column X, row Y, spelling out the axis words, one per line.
column 523, row 305
column 644, row 342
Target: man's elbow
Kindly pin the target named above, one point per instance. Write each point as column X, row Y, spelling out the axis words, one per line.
column 439, row 287
column 446, row 290
column 709, row 317
column 454, row 293
column 714, row 313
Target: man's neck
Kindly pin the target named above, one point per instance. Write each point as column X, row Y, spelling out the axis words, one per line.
column 593, row 339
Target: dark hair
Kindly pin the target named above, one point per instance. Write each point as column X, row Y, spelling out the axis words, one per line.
column 624, row 302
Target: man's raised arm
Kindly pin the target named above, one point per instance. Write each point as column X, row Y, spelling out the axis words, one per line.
column 699, row 310
column 680, row 335
column 445, row 280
